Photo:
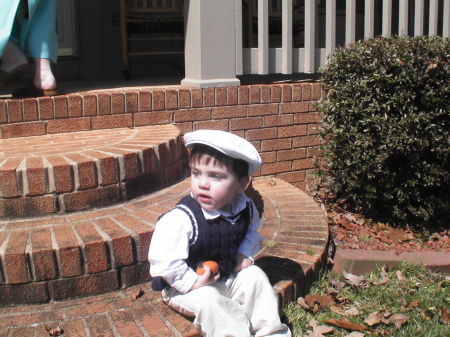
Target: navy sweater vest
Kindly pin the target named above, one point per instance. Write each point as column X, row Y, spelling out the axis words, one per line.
column 212, row 240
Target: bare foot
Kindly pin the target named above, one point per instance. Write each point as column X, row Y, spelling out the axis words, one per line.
column 44, row 78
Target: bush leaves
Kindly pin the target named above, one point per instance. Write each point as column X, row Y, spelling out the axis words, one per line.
column 386, row 128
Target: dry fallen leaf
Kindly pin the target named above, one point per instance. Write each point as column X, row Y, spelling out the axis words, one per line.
column 353, row 280
column 346, row 324
column 414, row 304
column 445, row 315
column 355, row 334
column 373, row 319
column 318, row 331
column 399, row 320
column 400, row 276
column 338, row 285
column 56, row 331
column 321, row 300
column 138, row 294
column 352, row 312
column 301, row 302
column 384, row 278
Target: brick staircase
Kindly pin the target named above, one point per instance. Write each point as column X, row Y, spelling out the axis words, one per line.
column 69, row 172
column 78, row 206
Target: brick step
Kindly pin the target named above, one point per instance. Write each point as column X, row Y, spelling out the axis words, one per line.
column 62, row 256
column 69, row 172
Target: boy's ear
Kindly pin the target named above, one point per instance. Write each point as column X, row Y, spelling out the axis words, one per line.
column 244, row 183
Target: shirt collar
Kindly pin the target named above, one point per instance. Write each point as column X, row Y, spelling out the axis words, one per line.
column 237, row 205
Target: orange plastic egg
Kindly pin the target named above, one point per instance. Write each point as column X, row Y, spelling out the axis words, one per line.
column 210, row 264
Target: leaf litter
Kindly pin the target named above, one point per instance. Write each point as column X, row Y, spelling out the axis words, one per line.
column 335, row 308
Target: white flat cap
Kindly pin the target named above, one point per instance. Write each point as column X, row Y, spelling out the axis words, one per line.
column 227, row 143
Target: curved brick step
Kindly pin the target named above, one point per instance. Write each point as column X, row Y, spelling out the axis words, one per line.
column 73, row 171
column 102, row 250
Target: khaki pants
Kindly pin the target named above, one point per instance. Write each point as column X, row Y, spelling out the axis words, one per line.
column 244, row 305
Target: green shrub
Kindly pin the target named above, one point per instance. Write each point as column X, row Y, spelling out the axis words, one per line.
column 386, row 127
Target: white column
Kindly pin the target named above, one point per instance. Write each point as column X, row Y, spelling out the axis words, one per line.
column 210, row 44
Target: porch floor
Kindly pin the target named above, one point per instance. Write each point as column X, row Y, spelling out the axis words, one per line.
column 73, row 85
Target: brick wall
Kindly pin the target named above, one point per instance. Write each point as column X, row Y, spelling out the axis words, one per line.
column 278, row 119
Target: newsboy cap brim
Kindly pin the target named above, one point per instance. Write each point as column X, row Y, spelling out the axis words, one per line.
column 227, row 143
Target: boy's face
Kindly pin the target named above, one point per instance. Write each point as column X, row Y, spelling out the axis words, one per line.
column 214, row 185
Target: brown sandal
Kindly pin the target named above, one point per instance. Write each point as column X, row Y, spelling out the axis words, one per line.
column 31, row 90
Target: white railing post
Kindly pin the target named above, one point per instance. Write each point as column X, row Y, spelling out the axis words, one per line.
column 369, row 18
column 263, row 37
column 330, row 27
column 387, row 18
column 286, row 43
column 310, row 35
column 403, row 18
column 350, row 21
column 419, row 17
column 210, row 44
column 446, row 23
column 239, row 34
column 433, row 20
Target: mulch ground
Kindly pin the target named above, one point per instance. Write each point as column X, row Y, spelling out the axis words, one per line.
column 353, row 231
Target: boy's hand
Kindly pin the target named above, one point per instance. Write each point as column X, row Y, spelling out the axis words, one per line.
column 206, row 279
column 242, row 262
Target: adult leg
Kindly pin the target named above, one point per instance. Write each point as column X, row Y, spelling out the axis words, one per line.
column 14, row 62
column 215, row 315
column 41, row 42
column 252, row 289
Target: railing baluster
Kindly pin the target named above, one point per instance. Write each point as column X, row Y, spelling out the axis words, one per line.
column 419, row 17
column 446, row 23
column 239, row 34
column 330, row 27
column 387, row 18
column 286, row 43
column 433, row 21
column 263, row 37
column 350, row 21
column 310, row 35
column 403, row 18
column 369, row 18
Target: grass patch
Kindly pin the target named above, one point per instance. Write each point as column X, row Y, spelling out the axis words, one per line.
column 408, row 300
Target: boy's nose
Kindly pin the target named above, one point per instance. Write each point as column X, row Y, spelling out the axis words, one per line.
column 204, row 183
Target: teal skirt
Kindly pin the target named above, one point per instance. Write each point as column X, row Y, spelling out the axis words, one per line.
column 33, row 29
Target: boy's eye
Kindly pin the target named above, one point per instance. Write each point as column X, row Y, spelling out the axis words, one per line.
column 195, row 173
column 216, row 176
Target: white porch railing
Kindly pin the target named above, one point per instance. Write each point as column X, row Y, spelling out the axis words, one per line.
column 323, row 18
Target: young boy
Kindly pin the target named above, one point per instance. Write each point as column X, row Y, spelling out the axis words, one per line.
column 217, row 222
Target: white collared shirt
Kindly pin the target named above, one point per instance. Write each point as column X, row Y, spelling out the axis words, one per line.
column 169, row 247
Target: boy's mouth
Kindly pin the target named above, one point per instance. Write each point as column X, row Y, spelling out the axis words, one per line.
column 204, row 198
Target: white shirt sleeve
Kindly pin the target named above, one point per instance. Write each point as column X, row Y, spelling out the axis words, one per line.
column 252, row 241
column 169, row 248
